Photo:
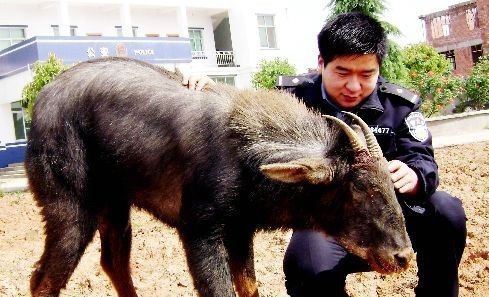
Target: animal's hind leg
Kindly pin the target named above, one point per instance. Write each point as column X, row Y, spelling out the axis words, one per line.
column 115, row 236
column 69, row 228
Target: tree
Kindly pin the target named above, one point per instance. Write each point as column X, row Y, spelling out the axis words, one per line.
column 392, row 67
column 372, row 8
column 43, row 74
column 477, row 83
column 430, row 75
column 268, row 72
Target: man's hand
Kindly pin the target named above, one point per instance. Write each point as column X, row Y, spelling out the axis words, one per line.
column 197, row 82
column 404, row 178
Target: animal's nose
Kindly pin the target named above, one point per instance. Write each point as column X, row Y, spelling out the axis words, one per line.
column 403, row 257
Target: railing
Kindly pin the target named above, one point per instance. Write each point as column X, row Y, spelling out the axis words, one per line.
column 223, row 58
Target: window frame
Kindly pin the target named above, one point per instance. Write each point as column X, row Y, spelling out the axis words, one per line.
column 225, row 79
column 11, row 39
column 56, row 31
column 18, row 118
column 450, row 55
column 192, row 39
column 271, row 43
column 477, row 52
column 120, row 33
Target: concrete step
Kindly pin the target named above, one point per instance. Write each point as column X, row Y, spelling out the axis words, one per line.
column 15, row 174
column 13, row 184
column 11, row 169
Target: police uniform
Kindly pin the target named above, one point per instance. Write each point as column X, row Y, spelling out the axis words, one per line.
column 316, row 265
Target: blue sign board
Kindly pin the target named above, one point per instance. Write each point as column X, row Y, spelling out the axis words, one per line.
column 156, row 50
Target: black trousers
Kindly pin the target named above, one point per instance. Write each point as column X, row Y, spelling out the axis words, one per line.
column 316, row 265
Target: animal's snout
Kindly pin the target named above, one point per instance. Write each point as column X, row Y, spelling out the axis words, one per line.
column 404, row 257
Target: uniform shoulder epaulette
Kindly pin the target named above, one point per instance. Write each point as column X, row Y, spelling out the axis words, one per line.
column 396, row 90
column 290, row 81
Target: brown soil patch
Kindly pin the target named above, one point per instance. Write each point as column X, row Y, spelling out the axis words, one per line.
column 159, row 266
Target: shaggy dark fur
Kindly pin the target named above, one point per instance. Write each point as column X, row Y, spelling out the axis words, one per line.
column 217, row 165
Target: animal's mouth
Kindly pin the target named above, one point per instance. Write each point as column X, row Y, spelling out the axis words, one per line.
column 384, row 260
column 389, row 263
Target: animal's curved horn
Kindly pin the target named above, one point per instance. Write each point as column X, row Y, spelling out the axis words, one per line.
column 372, row 144
column 355, row 141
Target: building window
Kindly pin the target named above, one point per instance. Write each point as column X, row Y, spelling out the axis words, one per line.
column 196, row 39
column 197, row 43
column 10, row 35
column 440, row 26
column 55, row 30
column 134, row 31
column 450, row 55
column 472, row 18
column 118, row 30
column 224, row 79
column 476, row 53
column 266, row 30
column 73, row 30
column 19, row 120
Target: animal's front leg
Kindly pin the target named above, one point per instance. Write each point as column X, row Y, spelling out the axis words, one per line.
column 208, row 264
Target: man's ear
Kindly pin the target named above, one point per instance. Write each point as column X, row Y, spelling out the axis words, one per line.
column 310, row 170
column 320, row 63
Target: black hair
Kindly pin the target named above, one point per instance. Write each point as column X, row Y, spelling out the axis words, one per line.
column 352, row 33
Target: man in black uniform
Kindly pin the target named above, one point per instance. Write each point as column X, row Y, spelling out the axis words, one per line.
column 351, row 48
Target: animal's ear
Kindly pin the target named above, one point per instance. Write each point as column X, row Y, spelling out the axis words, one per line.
column 311, row 170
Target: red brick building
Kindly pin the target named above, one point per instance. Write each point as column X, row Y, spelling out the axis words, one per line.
column 461, row 32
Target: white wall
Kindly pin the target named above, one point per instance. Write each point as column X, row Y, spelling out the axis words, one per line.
column 38, row 18
column 11, row 86
column 10, row 91
column 7, row 131
column 297, row 24
column 302, row 23
column 201, row 20
column 162, row 21
column 95, row 19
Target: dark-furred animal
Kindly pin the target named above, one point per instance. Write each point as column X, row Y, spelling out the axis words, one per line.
column 218, row 165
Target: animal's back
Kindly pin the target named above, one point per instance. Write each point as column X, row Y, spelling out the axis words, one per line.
column 120, row 124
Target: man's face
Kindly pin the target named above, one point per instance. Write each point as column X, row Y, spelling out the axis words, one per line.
column 348, row 80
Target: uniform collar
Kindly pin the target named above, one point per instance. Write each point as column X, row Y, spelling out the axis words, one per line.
column 372, row 103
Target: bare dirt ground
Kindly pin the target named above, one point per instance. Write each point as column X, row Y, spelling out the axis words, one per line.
column 159, row 267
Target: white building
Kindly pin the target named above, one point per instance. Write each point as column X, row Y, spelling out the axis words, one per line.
column 225, row 39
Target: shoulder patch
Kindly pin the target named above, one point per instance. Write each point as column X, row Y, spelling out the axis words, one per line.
column 289, row 81
column 417, row 126
column 399, row 91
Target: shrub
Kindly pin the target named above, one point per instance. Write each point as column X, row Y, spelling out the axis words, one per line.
column 43, row 74
column 268, row 72
column 430, row 75
column 477, row 84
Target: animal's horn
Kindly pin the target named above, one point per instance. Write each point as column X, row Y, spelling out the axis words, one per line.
column 355, row 141
column 372, row 144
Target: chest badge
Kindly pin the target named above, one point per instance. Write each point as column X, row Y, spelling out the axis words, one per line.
column 417, row 126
